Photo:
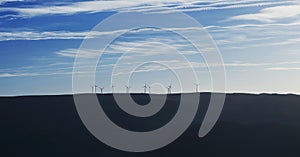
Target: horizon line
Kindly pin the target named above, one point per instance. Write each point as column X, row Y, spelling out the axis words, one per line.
column 175, row 93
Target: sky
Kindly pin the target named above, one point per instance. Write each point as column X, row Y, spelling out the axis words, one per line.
column 259, row 41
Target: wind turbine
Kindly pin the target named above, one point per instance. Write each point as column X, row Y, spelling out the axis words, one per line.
column 197, row 85
column 145, row 87
column 169, row 88
column 95, row 87
column 149, row 87
column 127, row 88
column 92, row 89
column 101, row 89
column 112, row 88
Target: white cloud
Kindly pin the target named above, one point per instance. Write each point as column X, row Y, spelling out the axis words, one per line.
column 288, row 42
column 282, row 68
column 139, row 5
column 72, row 53
column 36, row 71
column 8, row 75
column 282, row 33
column 27, row 35
column 34, row 35
column 247, row 36
column 17, row 74
column 272, row 14
column 4, row 1
column 249, row 25
column 214, row 6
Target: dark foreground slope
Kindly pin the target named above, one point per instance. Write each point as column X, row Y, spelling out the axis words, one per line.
column 250, row 125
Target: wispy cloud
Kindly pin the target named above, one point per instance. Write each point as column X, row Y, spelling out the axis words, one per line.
column 272, row 14
column 4, row 1
column 72, row 53
column 53, row 69
column 288, row 41
column 29, row 35
column 67, row 71
column 47, row 35
column 221, row 5
column 246, row 36
column 282, row 68
column 250, row 35
column 63, row 73
column 17, row 74
column 140, row 5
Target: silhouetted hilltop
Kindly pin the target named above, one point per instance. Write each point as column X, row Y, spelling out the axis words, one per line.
column 263, row 125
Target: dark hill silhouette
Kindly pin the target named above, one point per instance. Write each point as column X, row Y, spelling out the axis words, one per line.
column 250, row 125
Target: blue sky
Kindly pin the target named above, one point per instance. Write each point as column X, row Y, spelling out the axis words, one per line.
column 259, row 41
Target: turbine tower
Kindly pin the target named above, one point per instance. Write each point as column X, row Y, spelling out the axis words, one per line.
column 101, row 89
column 127, row 88
column 169, row 89
column 95, row 87
column 197, row 87
column 145, row 87
column 112, row 88
column 92, row 89
column 149, row 87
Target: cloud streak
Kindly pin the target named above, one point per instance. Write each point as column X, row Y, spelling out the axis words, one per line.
column 272, row 14
column 29, row 35
column 137, row 5
column 282, row 68
column 47, row 35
